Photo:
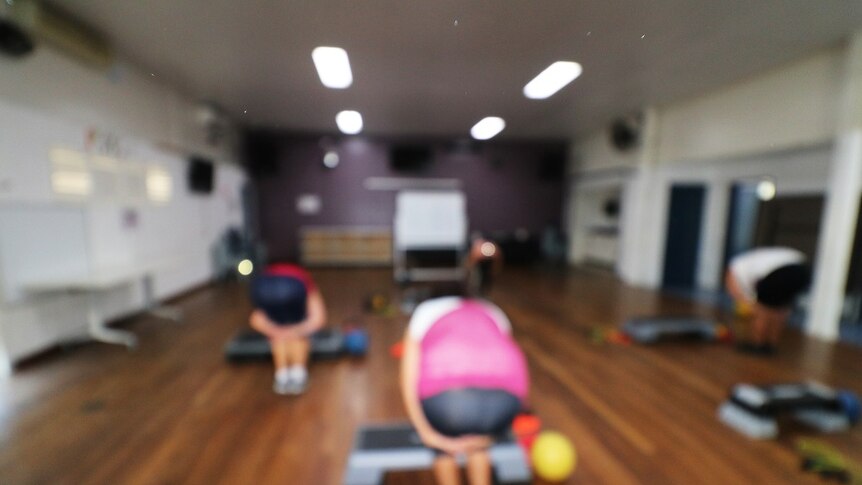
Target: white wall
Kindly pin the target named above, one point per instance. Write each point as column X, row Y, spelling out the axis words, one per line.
column 779, row 124
column 597, row 171
column 124, row 101
column 802, row 171
column 47, row 101
column 790, row 107
column 586, row 213
column 594, row 153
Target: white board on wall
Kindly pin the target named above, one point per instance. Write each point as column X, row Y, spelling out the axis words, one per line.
column 430, row 219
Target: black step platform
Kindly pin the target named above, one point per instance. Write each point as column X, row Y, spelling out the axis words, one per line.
column 753, row 410
column 249, row 345
column 647, row 330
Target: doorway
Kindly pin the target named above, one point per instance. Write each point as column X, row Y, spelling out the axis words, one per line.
column 682, row 245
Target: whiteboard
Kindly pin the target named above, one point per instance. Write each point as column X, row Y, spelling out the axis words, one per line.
column 430, row 220
column 39, row 242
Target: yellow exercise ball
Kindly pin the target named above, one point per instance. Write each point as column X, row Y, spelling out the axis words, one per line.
column 554, row 457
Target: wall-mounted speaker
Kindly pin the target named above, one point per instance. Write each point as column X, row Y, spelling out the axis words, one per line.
column 201, row 175
column 261, row 152
column 611, row 208
column 410, row 157
column 625, row 132
column 552, row 164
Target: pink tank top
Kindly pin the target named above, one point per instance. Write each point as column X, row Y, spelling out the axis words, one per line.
column 466, row 348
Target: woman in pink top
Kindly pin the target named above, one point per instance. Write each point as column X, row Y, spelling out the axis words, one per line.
column 463, row 380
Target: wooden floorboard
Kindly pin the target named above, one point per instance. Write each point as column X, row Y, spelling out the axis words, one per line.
column 174, row 412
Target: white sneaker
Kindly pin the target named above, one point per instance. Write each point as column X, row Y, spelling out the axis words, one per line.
column 291, row 386
column 282, row 386
column 297, row 385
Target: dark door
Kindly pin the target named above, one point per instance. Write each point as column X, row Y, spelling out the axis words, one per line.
column 682, row 246
column 854, row 280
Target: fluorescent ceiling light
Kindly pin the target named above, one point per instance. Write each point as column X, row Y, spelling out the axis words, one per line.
column 552, row 79
column 487, row 128
column 349, row 122
column 333, row 67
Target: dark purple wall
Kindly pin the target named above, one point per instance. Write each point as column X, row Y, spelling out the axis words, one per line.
column 502, row 183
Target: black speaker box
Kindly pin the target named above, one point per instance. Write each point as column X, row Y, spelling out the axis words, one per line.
column 261, row 154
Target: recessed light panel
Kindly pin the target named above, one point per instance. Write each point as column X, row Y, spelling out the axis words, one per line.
column 487, row 128
column 552, row 79
column 333, row 67
column 349, row 122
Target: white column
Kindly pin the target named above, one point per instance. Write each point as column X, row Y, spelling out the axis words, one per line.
column 5, row 360
column 842, row 204
column 638, row 229
column 577, row 227
column 712, row 236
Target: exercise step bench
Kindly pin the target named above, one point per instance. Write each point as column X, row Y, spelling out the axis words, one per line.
column 648, row 330
column 753, row 410
column 382, row 448
column 248, row 345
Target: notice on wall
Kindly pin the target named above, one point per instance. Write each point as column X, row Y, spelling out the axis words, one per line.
column 308, row 204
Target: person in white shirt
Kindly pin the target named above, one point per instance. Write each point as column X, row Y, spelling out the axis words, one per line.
column 766, row 282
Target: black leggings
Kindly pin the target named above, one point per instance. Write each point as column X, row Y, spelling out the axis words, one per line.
column 461, row 412
column 780, row 288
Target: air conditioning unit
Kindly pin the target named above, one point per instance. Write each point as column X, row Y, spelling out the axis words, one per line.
column 23, row 21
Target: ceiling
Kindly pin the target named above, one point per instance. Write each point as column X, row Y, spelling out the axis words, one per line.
column 436, row 67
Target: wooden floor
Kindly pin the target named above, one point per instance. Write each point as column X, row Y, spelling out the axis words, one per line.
column 174, row 412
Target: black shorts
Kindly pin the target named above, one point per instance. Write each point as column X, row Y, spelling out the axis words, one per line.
column 468, row 411
column 282, row 298
column 485, row 269
column 781, row 287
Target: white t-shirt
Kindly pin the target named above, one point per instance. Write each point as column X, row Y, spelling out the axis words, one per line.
column 429, row 312
column 750, row 267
